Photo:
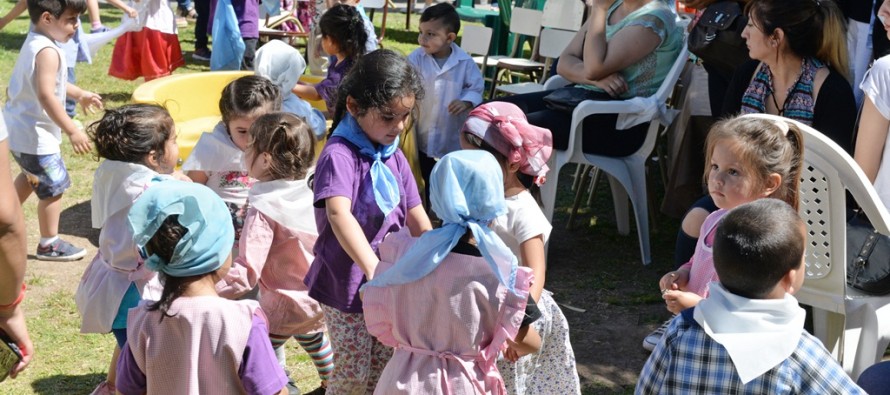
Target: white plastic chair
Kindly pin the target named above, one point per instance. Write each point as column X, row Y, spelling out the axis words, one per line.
column 854, row 326
column 476, row 40
column 629, row 171
column 563, row 14
column 553, row 42
column 525, row 22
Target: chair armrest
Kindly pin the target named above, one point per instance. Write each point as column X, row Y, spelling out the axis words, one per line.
column 555, row 82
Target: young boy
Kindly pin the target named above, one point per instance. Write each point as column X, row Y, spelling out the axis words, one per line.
column 747, row 337
column 35, row 117
column 453, row 84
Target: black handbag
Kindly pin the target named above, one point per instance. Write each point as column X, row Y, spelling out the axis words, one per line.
column 568, row 97
column 868, row 258
column 717, row 36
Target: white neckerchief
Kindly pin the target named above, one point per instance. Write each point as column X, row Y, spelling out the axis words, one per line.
column 758, row 334
column 115, row 187
column 289, row 203
column 215, row 152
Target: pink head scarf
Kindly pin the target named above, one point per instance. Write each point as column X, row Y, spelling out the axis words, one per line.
column 504, row 127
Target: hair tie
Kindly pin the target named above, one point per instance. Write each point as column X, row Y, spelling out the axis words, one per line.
column 783, row 126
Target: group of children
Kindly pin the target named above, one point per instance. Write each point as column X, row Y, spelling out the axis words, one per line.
column 258, row 242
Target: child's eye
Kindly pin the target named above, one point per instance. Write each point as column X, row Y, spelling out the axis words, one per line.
column 713, row 167
column 732, row 172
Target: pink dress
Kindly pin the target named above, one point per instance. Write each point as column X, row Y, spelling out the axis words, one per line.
column 701, row 266
column 447, row 328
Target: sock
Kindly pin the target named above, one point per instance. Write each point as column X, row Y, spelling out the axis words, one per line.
column 277, row 346
column 95, row 25
column 45, row 241
column 319, row 349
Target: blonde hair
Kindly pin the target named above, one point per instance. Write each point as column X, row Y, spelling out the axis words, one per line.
column 764, row 148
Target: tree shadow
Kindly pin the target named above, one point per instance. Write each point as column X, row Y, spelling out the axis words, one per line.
column 77, row 221
column 67, row 384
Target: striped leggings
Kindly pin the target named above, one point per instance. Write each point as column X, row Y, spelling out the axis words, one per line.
column 316, row 345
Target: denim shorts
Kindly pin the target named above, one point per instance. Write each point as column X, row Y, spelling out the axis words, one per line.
column 46, row 173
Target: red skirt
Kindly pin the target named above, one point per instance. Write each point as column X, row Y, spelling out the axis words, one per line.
column 147, row 53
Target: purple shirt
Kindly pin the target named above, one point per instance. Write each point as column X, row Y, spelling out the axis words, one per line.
column 334, row 278
column 248, row 14
column 259, row 371
column 327, row 88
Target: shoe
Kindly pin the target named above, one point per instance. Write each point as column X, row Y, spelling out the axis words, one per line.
column 188, row 13
column 60, row 250
column 202, row 54
column 103, row 389
column 100, row 29
column 653, row 338
column 318, row 391
column 291, row 386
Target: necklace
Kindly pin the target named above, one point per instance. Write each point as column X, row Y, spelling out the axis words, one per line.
column 781, row 110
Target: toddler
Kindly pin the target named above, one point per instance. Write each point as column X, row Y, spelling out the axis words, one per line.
column 364, row 190
column 151, row 52
column 191, row 341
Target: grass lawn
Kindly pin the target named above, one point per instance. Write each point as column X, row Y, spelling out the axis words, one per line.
column 616, row 291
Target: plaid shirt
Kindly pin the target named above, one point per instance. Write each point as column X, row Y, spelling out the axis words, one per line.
column 688, row 361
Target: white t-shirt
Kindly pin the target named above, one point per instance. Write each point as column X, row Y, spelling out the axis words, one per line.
column 876, row 85
column 31, row 129
column 524, row 220
column 3, row 133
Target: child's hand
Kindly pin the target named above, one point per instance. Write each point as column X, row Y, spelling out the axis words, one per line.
column 511, row 354
column 677, row 301
column 178, row 175
column 459, row 106
column 90, row 102
column 131, row 12
column 674, row 280
column 80, row 142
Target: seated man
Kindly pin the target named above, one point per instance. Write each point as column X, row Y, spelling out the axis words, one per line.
column 747, row 337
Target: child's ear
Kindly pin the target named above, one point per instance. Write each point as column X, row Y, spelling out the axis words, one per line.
column 351, row 106
column 152, row 160
column 773, row 182
column 46, row 17
column 451, row 37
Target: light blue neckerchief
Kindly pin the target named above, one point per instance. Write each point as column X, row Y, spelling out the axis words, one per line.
column 467, row 191
column 385, row 184
column 208, row 242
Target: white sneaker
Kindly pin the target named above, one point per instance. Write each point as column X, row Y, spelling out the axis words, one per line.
column 653, row 338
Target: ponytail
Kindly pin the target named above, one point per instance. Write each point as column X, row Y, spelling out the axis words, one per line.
column 163, row 244
column 344, row 25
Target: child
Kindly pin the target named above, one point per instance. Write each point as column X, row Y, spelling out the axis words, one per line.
column 191, row 341
column 152, row 52
column 501, row 129
column 35, row 117
column 746, row 159
column 216, row 159
column 747, row 337
column 284, row 65
column 343, row 36
column 115, row 280
column 449, row 301
column 371, row 43
column 279, row 233
column 364, row 190
column 453, row 80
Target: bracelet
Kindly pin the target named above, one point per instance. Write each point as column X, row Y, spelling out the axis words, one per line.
column 18, row 300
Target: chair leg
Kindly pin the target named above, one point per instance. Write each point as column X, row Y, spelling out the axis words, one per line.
column 594, row 180
column 548, row 191
column 579, row 192
column 641, row 211
column 619, row 199
column 579, row 171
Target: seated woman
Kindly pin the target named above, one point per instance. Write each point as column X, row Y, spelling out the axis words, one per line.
column 798, row 71
column 871, row 152
column 624, row 49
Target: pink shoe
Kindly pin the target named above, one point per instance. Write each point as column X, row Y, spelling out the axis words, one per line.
column 104, row 389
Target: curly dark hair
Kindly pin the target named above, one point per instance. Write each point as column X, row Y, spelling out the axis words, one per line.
column 288, row 139
column 375, row 80
column 131, row 132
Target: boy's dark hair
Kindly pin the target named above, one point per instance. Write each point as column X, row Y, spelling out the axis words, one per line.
column 56, row 8
column 130, row 132
column 756, row 244
column 290, row 142
column 375, row 80
column 445, row 14
column 248, row 95
column 162, row 244
column 344, row 25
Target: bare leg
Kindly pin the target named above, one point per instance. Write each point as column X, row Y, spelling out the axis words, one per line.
column 112, row 370
column 93, row 9
column 48, row 211
column 22, row 187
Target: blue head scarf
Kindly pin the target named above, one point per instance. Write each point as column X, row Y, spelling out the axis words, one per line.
column 467, row 192
column 385, row 185
column 208, row 241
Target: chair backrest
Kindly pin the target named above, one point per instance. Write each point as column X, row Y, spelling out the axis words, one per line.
column 554, row 41
column 476, row 39
column 526, row 22
column 563, row 14
column 828, row 172
column 373, row 3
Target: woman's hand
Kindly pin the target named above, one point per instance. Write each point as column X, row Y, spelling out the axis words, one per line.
column 613, row 84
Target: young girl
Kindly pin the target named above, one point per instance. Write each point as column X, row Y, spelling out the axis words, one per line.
column 279, row 234
column 191, row 341
column 449, row 301
column 216, row 160
column 343, row 36
column 138, row 142
column 520, row 148
column 746, row 159
column 152, row 52
column 364, row 189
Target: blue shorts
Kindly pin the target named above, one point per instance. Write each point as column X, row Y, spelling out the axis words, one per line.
column 46, row 173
